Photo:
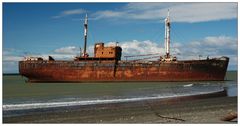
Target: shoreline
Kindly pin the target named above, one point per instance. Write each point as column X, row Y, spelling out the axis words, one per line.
column 198, row 109
column 18, row 107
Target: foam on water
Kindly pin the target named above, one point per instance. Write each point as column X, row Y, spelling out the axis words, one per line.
column 9, row 107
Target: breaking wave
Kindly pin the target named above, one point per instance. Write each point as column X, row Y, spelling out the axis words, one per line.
column 9, row 107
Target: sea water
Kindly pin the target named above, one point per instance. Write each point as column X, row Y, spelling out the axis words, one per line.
column 19, row 95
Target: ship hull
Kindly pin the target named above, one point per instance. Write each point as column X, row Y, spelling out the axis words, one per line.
column 108, row 71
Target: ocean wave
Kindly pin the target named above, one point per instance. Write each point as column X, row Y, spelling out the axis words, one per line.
column 10, row 107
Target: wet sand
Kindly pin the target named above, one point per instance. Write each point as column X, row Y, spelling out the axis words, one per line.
column 201, row 110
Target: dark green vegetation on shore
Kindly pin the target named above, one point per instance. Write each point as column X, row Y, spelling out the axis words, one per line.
column 194, row 111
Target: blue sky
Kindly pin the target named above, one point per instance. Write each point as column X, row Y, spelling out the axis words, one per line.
column 42, row 29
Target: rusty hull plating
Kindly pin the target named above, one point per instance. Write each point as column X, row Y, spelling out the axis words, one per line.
column 113, row 70
column 106, row 65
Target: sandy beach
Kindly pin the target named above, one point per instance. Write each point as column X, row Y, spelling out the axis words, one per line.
column 209, row 110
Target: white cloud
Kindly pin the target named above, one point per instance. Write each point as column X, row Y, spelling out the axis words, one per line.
column 70, row 12
column 148, row 6
column 221, row 41
column 10, row 67
column 11, row 55
column 215, row 45
column 140, row 47
column 108, row 14
column 67, row 50
column 179, row 12
column 212, row 46
column 12, row 58
column 200, row 12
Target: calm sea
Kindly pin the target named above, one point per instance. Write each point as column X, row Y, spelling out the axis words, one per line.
column 18, row 95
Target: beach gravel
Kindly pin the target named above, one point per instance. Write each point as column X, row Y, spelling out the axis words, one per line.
column 209, row 110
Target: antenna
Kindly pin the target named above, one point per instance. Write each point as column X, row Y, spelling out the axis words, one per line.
column 168, row 13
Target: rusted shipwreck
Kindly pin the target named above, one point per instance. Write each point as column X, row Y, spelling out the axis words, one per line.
column 106, row 66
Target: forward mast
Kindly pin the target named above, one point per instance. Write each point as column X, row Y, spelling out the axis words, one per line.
column 167, row 56
column 85, row 54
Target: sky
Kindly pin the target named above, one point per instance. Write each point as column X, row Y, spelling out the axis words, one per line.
column 56, row 29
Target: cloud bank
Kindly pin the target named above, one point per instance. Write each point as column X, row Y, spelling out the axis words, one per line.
column 69, row 12
column 67, row 50
column 179, row 12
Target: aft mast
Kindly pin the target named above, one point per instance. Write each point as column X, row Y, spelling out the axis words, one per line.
column 167, row 56
column 167, row 36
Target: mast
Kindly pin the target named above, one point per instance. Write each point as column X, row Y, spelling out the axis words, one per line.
column 85, row 36
column 167, row 36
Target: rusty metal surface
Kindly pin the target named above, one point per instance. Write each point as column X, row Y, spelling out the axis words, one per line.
column 111, row 70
